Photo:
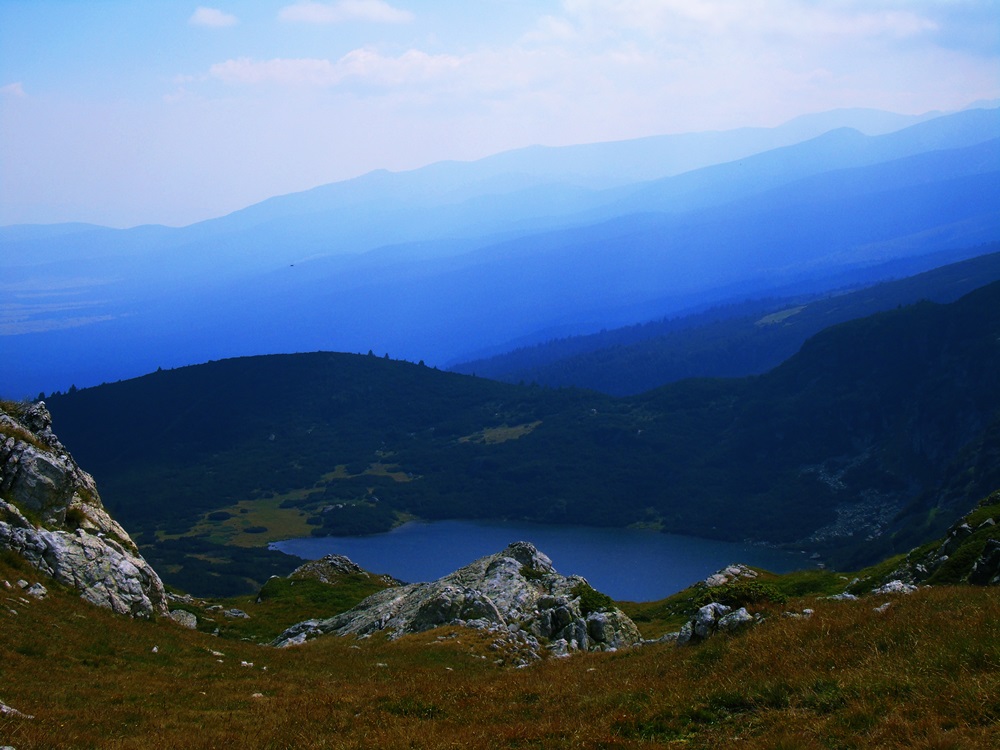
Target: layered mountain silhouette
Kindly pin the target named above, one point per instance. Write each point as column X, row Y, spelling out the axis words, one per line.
column 457, row 259
column 744, row 338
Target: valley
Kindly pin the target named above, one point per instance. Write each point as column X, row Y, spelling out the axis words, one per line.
column 724, row 347
column 846, row 450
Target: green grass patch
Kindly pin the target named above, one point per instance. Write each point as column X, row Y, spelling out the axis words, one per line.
column 592, row 600
column 284, row 601
column 239, row 524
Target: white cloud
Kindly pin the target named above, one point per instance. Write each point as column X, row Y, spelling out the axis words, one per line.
column 285, row 72
column 375, row 11
column 212, row 17
column 735, row 18
column 12, row 89
column 365, row 65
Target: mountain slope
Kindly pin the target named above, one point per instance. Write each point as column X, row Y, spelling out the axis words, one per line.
column 733, row 341
column 824, row 451
column 454, row 259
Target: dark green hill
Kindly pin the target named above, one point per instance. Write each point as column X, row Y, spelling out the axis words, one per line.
column 739, row 339
column 871, row 417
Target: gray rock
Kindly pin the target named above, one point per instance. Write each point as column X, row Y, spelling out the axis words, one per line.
column 803, row 615
column 735, row 620
column 184, row 618
column 843, row 597
column 104, row 572
column 709, row 620
column 77, row 542
column 559, row 647
column 895, row 587
column 706, row 620
column 729, row 574
column 37, row 590
column 686, row 633
column 236, row 614
column 6, row 710
column 516, row 591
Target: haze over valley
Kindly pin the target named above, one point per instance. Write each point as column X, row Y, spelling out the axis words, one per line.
column 520, row 373
column 448, row 262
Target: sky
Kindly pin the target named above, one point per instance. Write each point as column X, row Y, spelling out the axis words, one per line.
column 122, row 113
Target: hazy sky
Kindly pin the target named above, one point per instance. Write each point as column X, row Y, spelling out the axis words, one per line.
column 121, row 112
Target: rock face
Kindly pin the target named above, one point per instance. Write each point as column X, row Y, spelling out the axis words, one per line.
column 52, row 516
column 516, row 589
column 968, row 553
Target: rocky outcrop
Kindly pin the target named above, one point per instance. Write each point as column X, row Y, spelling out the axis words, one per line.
column 894, row 587
column 516, row 590
column 968, row 553
column 330, row 568
column 52, row 516
column 729, row 574
column 986, row 569
column 708, row 620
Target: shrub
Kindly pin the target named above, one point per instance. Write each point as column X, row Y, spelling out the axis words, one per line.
column 531, row 574
column 741, row 593
column 75, row 517
column 592, row 600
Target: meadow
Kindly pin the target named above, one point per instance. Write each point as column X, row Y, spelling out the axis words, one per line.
column 924, row 673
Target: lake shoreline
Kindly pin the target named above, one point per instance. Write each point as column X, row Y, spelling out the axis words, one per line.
column 627, row 564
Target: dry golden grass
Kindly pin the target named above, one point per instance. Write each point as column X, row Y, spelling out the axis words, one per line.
column 924, row 674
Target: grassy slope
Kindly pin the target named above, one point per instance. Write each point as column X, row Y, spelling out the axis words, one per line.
column 924, row 674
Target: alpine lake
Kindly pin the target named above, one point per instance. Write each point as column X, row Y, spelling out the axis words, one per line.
column 627, row 564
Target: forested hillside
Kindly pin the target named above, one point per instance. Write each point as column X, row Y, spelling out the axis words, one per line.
column 742, row 338
column 870, row 417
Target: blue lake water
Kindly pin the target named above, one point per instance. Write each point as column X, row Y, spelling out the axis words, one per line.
column 626, row 564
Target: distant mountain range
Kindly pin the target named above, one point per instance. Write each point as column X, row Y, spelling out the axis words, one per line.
column 459, row 259
column 744, row 338
column 872, row 438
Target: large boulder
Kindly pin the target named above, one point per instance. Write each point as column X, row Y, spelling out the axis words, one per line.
column 709, row 620
column 52, row 516
column 516, row 590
